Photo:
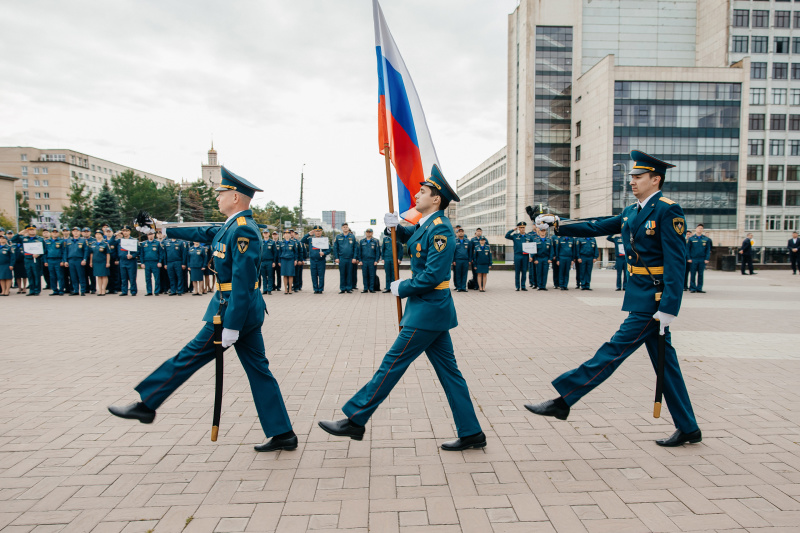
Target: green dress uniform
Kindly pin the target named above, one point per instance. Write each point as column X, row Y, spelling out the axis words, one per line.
column 428, row 318
column 237, row 256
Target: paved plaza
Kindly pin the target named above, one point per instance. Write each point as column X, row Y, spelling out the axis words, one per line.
column 67, row 465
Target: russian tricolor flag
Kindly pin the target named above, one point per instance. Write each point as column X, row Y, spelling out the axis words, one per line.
column 401, row 121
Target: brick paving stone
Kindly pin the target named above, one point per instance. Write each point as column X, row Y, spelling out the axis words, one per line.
column 67, row 465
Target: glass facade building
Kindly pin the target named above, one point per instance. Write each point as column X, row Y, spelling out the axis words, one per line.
column 553, row 117
column 694, row 126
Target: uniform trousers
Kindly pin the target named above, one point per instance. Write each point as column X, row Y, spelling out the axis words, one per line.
column 277, row 274
column 410, row 343
column 91, row 281
column 637, row 329
column 459, row 274
column 175, row 273
column 520, row 270
column 317, row 268
column 46, row 275
column 686, row 276
column 346, row 274
column 388, row 271
column 586, row 266
column 696, row 282
column 353, row 277
column 541, row 269
column 157, row 387
column 297, row 281
column 794, row 257
column 563, row 272
column 56, row 276
column 151, row 269
column 368, row 274
column 127, row 271
column 77, row 272
column 747, row 260
column 33, row 269
column 67, row 280
column 556, row 282
column 115, row 279
column 266, row 275
column 621, row 267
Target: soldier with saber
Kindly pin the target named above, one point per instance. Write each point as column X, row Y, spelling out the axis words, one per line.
column 240, row 307
column 652, row 231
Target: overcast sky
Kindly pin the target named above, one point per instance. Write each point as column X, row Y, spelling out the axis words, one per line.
column 277, row 84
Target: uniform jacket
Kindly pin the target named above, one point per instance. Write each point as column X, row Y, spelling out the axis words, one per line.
column 664, row 250
column 544, row 249
column 473, row 242
column 237, row 260
column 196, row 257
column 344, row 246
column 793, row 244
column 151, row 252
column 122, row 255
column 54, row 251
column 269, row 251
column 24, row 240
column 77, row 249
column 699, row 248
column 482, row 255
column 7, row 255
column 617, row 241
column 462, row 250
column 747, row 247
column 587, row 248
column 313, row 253
column 175, row 251
column 386, row 250
column 113, row 248
column 518, row 239
column 565, row 249
column 369, row 250
column 429, row 304
column 288, row 250
column 99, row 251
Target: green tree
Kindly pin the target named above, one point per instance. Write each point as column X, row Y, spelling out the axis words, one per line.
column 7, row 222
column 26, row 214
column 201, row 193
column 79, row 211
column 136, row 193
column 106, row 209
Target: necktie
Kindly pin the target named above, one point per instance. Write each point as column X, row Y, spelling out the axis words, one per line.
column 416, row 227
column 638, row 209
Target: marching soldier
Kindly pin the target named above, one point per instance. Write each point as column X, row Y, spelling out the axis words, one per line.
column 100, row 261
column 429, row 317
column 461, row 261
column 388, row 265
column 77, row 255
column 587, row 254
column 152, row 258
column 32, row 262
column 317, row 258
column 175, row 254
column 268, row 255
column 699, row 250
column 7, row 259
column 543, row 257
column 565, row 258
column 344, row 255
column 237, row 253
column 54, row 261
column 289, row 255
column 127, row 265
column 367, row 255
column 652, row 229
column 520, row 256
column 619, row 264
column 196, row 262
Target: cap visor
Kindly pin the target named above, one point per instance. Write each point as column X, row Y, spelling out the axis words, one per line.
column 637, row 171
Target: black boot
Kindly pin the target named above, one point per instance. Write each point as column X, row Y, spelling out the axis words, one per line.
column 679, row 437
column 136, row 411
column 473, row 441
column 284, row 441
column 557, row 408
column 343, row 428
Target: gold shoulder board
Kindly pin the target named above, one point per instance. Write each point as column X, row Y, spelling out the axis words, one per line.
column 667, row 200
column 437, row 221
column 241, row 221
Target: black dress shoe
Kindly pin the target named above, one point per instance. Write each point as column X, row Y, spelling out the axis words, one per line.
column 548, row 408
column 365, row 290
column 679, row 437
column 541, row 289
column 619, row 290
column 473, row 441
column 524, row 289
column 136, row 411
column 701, row 292
column 278, row 444
column 517, row 288
column 387, row 290
column 343, row 428
column 372, row 292
column 350, row 292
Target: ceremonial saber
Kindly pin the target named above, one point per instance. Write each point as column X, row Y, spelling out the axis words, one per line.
column 662, row 349
column 393, row 233
column 218, row 354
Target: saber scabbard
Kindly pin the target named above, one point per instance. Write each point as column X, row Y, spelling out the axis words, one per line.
column 218, row 353
column 662, row 348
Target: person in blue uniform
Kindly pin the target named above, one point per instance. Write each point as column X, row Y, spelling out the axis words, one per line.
column 7, row 259
column 197, row 265
column 554, row 264
column 276, row 272
column 699, row 252
column 793, row 245
column 521, row 261
column 688, row 263
column 100, row 261
column 77, row 255
column 288, row 254
column 303, row 254
column 368, row 255
column 163, row 273
column 175, row 254
column 238, row 301
column 429, row 316
column 746, row 251
column 587, row 254
column 32, row 263
column 317, row 257
column 151, row 255
column 128, row 260
column 45, row 270
column 461, row 261
column 482, row 259
column 652, row 230
column 620, row 264
column 54, row 261
column 65, row 236
column 268, row 253
column 387, row 258
column 114, row 276
column 473, row 242
column 91, row 282
column 344, row 255
column 20, row 277
column 541, row 260
column 565, row 258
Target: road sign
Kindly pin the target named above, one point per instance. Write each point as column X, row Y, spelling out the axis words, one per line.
column 373, row 221
column 287, row 224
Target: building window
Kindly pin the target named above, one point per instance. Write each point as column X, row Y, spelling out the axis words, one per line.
column 796, row 71
column 46, row 195
column 794, row 146
column 760, row 18
column 794, row 97
column 755, row 147
column 793, row 173
column 741, row 18
column 760, row 44
column 791, row 222
column 756, row 122
column 24, row 171
column 781, row 45
column 578, row 129
column 24, row 184
column 25, row 194
column 777, row 122
column 35, row 170
column 775, row 173
column 47, row 207
column 37, row 195
column 755, row 172
column 752, row 198
column 759, row 96
column 794, row 122
column 758, row 70
column 577, row 201
column 780, row 71
column 792, row 198
column 38, row 207
column 783, row 19
column 577, row 177
column 777, row 147
column 740, row 44
column 35, row 183
column 577, row 153
column 775, row 198
column 778, row 96
column 773, row 222
column 23, row 157
column 45, row 183
column 752, row 222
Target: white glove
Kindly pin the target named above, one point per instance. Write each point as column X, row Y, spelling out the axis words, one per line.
column 664, row 320
column 395, row 287
column 546, row 219
column 229, row 336
column 392, row 220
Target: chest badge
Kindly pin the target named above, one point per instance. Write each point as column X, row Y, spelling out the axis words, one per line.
column 440, row 242
column 242, row 243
